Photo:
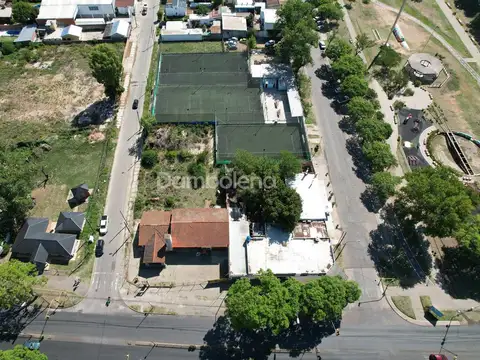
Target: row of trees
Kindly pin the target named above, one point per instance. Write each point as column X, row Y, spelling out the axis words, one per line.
column 20, row 352
column 274, row 306
column 363, row 110
column 299, row 30
column 261, row 184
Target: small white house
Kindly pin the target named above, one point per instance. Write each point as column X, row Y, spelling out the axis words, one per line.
column 234, row 26
column 117, row 30
column 66, row 11
column 268, row 18
column 176, row 8
column 72, row 33
column 178, row 31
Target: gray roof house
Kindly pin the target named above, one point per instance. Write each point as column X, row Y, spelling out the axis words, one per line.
column 27, row 35
column 33, row 242
column 70, row 222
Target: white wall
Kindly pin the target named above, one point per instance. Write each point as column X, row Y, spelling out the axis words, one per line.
column 123, row 10
column 181, row 37
column 103, row 10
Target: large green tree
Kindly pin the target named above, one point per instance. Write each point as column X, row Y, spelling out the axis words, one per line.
column 384, row 184
column 325, row 298
column 23, row 12
column 338, row 48
column 436, row 198
column 379, row 155
column 354, row 85
column 270, row 305
column 289, row 165
column 16, row 283
column 297, row 28
column 267, row 197
column 348, row 65
column 274, row 305
column 16, row 183
column 373, row 130
column 107, row 68
column 330, row 10
column 360, row 108
column 20, row 352
column 468, row 234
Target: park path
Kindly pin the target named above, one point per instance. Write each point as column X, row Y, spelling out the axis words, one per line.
column 437, row 36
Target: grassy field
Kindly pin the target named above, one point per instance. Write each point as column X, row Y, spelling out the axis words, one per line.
column 191, row 47
column 457, row 97
column 38, row 104
column 166, row 185
column 404, row 304
column 429, row 13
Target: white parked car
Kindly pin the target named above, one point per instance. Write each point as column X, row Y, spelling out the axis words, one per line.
column 103, row 224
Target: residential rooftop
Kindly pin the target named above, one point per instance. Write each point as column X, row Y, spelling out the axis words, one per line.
column 234, row 23
column 313, row 192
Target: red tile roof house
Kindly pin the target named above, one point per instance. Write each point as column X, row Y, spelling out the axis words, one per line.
column 182, row 229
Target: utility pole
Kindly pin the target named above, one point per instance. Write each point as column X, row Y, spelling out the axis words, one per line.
column 390, row 33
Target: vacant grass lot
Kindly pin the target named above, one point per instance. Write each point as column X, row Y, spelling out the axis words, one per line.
column 43, row 89
column 167, row 185
column 191, row 47
column 428, row 12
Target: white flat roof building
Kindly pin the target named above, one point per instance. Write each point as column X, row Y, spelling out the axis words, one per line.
column 68, row 9
column 313, row 192
column 288, row 256
column 234, row 23
column 269, row 16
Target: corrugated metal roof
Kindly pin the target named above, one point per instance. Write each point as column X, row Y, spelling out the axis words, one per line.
column 27, row 34
column 294, row 102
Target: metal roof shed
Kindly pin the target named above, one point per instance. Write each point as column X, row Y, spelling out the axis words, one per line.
column 120, row 29
column 28, row 34
column 72, row 32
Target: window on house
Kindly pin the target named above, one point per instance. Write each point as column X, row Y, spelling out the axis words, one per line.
column 93, row 8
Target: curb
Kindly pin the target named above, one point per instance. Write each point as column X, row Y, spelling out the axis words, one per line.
column 424, row 323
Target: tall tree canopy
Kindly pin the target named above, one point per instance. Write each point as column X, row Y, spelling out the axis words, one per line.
column 325, row 298
column 337, row 48
column 16, row 183
column 354, row 85
column 373, row 130
column 362, row 42
column 298, row 32
column 23, row 12
column 274, row 305
column 436, row 198
column 348, row 65
column 107, row 68
column 388, row 57
column 379, row 155
column 384, row 183
column 16, row 283
column 267, row 197
column 20, row 352
column 329, row 9
column 360, row 108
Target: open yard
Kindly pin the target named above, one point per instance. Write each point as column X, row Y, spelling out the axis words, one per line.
column 428, row 12
column 458, row 97
column 167, row 185
column 191, row 47
column 51, row 105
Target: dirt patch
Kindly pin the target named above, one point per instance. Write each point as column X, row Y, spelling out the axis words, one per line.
column 49, row 96
column 441, row 152
column 96, row 136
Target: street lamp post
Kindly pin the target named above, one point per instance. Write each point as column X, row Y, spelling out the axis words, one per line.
column 459, row 312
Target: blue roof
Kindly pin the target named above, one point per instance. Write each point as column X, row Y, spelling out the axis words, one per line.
column 26, row 34
column 434, row 311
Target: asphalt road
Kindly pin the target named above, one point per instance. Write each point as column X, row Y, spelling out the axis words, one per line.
column 355, row 220
column 82, row 336
column 108, row 272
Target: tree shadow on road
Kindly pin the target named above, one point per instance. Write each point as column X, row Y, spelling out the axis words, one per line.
column 13, row 322
column 223, row 342
column 371, row 201
column 361, row 165
column 399, row 251
column 324, row 72
column 347, row 125
column 460, row 273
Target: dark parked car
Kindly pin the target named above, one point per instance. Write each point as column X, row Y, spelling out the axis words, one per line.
column 135, row 104
column 99, row 247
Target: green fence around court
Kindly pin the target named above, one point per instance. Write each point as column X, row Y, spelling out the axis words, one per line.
column 206, row 62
